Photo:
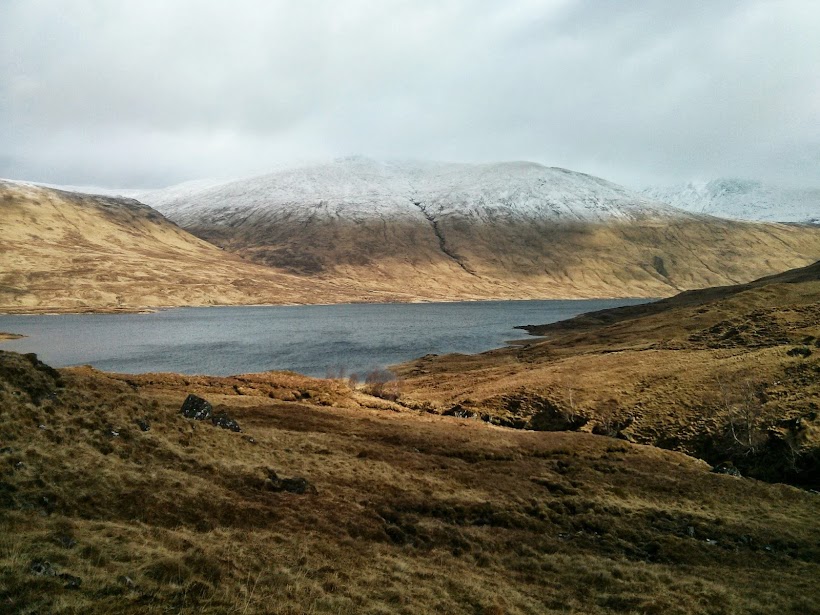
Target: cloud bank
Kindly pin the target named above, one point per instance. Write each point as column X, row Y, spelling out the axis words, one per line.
column 149, row 93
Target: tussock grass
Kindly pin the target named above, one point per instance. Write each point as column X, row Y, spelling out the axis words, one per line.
column 713, row 373
column 414, row 513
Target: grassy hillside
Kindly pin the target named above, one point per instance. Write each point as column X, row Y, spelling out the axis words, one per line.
column 64, row 251
column 67, row 251
column 408, row 512
column 724, row 373
column 475, row 258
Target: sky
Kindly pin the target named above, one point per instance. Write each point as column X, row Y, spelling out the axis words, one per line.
column 151, row 93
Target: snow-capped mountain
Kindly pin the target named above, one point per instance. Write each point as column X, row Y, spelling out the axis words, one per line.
column 510, row 229
column 359, row 188
column 741, row 199
column 399, row 230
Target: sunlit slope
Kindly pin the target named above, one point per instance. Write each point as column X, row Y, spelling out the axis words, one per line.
column 725, row 373
column 505, row 230
column 68, row 251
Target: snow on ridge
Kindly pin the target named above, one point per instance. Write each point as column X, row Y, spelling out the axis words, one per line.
column 742, row 199
column 358, row 187
column 127, row 193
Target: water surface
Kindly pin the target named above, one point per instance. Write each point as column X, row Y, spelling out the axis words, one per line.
column 316, row 340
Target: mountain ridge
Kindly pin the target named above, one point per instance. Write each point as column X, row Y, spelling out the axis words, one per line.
column 361, row 230
column 479, row 229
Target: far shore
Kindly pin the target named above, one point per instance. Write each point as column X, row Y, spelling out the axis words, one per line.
column 57, row 311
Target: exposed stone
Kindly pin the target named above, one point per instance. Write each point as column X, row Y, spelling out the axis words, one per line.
column 225, row 422
column 297, row 485
column 727, row 467
column 459, row 411
column 143, row 424
column 72, row 582
column 42, row 568
column 196, row 408
column 799, row 351
column 65, row 541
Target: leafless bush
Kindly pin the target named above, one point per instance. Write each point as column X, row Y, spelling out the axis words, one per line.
column 382, row 383
column 742, row 412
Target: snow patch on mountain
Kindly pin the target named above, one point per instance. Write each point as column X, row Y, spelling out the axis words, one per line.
column 742, row 200
column 360, row 188
column 128, row 193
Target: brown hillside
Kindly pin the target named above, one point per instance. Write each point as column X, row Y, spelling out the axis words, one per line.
column 503, row 259
column 68, row 251
column 462, row 231
column 724, row 373
column 111, row 501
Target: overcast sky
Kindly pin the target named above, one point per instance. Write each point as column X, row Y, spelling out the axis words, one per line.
column 149, row 93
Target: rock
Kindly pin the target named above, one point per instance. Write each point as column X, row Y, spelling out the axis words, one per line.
column 799, row 351
column 460, row 411
column 143, row 424
column 727, row 467
column 225, row 422
column 250, row 440
column 297, row 485
column 196, row 408
column 72, row 582
column 42, row 568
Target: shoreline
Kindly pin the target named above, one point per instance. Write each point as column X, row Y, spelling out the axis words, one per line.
column 57, row 311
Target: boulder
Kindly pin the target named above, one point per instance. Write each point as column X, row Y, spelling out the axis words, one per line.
column 72, row 582
column 225, row 422
column 42, row 568
column 196, row 408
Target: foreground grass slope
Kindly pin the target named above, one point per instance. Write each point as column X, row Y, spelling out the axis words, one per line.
column 412, row 512
column 728, row 373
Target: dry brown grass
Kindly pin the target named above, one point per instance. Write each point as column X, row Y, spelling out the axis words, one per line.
column 680, row 374
column 414, row 513
column 512, row 259
column 62, row 251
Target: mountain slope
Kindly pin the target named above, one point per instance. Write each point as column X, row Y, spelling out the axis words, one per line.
column 67, row 251
column 113, row 502
column 742, row 200
column 721, row 373
column 512, row 230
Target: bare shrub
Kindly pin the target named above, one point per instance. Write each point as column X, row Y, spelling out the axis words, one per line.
column 382, row 383
column 742, row 412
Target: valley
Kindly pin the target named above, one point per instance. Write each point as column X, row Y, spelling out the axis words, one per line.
column 360, row 230
column 654, row 458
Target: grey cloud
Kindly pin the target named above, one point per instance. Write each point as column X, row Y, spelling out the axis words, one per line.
column 155, row 92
